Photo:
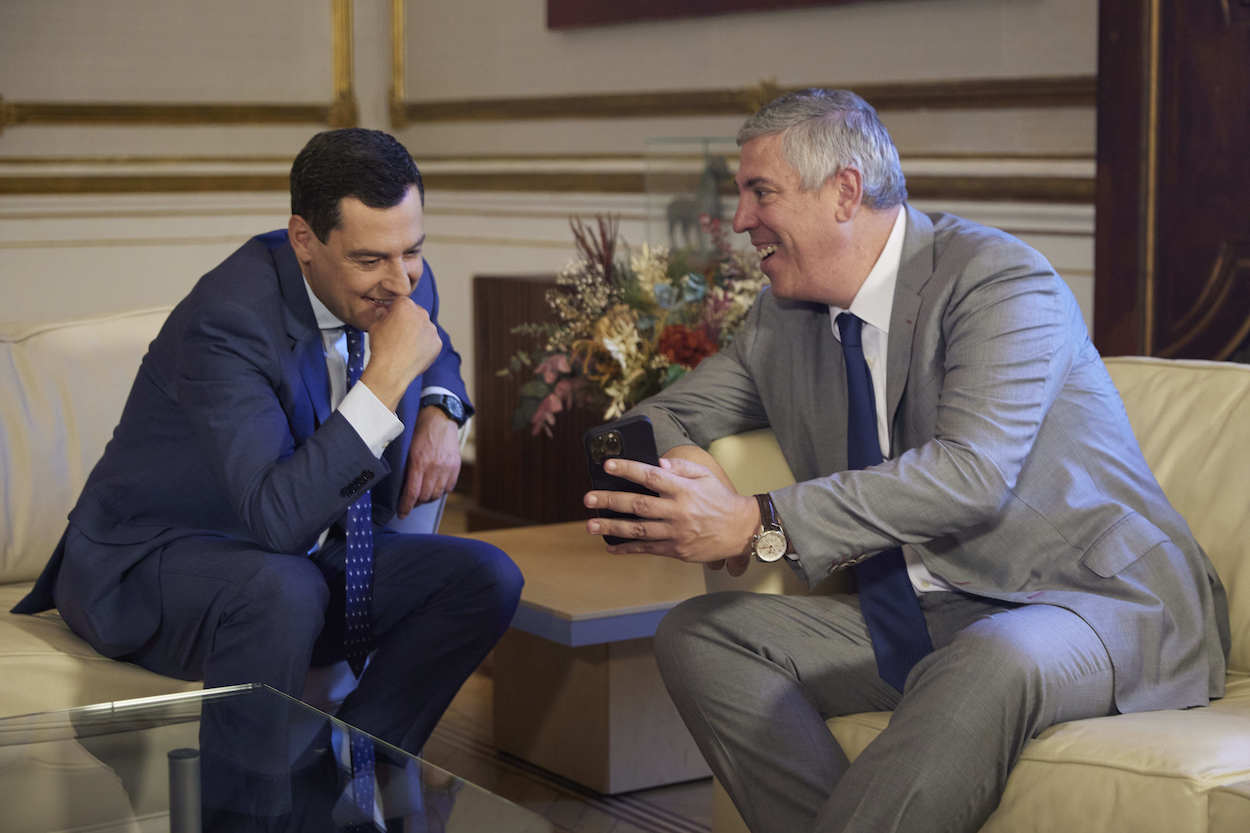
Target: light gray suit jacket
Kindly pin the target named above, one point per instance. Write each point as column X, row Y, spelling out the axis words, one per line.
column 1014, row 472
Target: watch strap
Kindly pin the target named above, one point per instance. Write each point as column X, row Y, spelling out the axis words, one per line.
column 770, row 521
column 448, row 404
column 768, row 512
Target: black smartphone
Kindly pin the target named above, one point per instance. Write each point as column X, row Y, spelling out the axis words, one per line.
column 631, row 438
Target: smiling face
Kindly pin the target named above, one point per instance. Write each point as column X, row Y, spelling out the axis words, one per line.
column 802, row 236
column 372, row 257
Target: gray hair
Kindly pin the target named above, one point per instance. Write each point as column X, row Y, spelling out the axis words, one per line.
column 825, row 131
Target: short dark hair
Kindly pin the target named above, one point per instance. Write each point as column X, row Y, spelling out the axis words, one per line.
column 369, row 165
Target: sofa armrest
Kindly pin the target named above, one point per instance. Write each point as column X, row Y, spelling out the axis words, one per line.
column 755, row 464
column 753, row 461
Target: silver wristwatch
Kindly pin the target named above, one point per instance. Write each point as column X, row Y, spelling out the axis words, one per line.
column 770, row 543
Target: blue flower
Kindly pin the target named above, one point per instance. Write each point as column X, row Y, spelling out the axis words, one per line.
column 693, row 287
column 665, row 295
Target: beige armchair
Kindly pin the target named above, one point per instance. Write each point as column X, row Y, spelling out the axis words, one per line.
column 1164, row 771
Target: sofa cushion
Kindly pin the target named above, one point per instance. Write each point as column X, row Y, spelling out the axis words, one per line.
column 1228, row 808
column 1162, row 770
column 1192, row 420
column 45, row 666
column 64, row 387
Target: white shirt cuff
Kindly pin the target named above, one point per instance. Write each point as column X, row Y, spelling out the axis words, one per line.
column 373, row 421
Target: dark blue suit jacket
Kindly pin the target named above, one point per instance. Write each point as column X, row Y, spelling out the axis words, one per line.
column 227, row 432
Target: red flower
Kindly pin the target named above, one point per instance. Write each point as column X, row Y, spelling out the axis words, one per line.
column 685, row 346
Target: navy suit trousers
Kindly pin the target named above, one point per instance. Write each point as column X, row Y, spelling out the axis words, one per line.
column 231, row 614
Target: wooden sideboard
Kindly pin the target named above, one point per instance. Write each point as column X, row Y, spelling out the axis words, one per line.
column 518, row 478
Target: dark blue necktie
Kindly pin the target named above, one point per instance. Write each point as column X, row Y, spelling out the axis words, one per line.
column 357, row 639
column 886, row 598
column 362, row 779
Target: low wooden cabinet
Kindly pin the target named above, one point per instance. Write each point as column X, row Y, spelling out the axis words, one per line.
column 518, row 478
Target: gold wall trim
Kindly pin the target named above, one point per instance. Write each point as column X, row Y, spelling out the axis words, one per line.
column 135, row 159
column 996, row 93
column 1150, row 176
column 987, row 188
column 398, row 52
column 1231, row 263
column 343, row 110
column 67, row 113
column 142, row 213
column 340, row 112
column 122, row 242
column 497, row 158
column 124, row 184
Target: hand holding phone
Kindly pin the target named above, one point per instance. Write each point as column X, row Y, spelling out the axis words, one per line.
column 632, row 439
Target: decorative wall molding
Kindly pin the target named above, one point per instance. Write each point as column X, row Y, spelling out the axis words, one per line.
column 965, row 94
column 63, row 113
column 1173, row 273
column 343, row 110
column 399, row 51
column 142, row 183
column 118, row 252
column 1078, row 190
column 955, row 94
column 1218, row 308
column 340, row 112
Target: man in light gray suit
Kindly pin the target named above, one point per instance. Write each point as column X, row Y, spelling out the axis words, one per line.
column 1045, row 576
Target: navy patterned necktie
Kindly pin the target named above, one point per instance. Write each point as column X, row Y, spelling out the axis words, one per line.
column 357, row 638
column 886, row 598
column 363, row 765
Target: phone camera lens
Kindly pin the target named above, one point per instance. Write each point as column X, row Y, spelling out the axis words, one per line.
column 612, row 444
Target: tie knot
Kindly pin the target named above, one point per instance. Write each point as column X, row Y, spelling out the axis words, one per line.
column 851, row 328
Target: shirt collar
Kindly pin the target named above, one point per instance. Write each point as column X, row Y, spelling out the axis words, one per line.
column 326, row 320
column 875, row 299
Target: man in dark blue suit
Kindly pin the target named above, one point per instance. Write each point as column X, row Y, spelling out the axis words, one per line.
column 209, row 541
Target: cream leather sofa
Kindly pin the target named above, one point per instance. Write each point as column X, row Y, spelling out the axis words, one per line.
column 62, row 387
column 1166, row 771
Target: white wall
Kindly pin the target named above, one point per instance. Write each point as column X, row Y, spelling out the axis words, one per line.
column 501, row 47
column 83, row 251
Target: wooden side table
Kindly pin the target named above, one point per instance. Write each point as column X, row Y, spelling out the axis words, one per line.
column 577, row 689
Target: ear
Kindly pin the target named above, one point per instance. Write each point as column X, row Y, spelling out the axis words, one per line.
column 301, row 236
column 848, row 191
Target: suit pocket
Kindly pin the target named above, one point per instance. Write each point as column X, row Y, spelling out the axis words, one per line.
column 1125, row 541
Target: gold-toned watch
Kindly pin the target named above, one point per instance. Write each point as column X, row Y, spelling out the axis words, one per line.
column 770, row 543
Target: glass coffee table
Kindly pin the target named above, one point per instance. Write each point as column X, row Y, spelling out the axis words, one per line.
column 243, row 758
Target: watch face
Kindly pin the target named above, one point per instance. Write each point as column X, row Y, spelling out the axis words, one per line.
column 450, row 405
column 770, row 545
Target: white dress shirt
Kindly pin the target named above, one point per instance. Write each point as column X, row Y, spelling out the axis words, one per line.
column 375, row 423
column 873, row 304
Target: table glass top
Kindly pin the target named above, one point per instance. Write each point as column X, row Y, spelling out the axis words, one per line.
column 243, row 758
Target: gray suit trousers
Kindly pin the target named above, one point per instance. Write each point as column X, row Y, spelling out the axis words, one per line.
column 756, row 676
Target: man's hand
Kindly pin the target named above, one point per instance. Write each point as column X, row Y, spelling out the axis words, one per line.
column 697, row 517
column 433, row 459
column 402, row 344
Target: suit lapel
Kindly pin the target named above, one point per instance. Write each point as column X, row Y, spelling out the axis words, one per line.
column 915, row 269
column 304, row 335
